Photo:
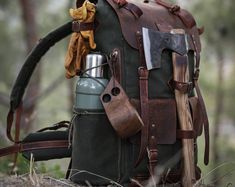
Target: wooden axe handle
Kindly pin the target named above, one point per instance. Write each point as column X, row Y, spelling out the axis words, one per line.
column 181, row 74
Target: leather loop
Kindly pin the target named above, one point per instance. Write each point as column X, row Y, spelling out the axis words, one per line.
column 183, row 87
column 135, row 10
column 81, row 26
column 183, row 134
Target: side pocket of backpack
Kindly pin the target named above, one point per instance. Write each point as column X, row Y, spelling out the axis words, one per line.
column 95, row 155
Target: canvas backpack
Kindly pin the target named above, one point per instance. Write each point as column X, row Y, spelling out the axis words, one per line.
column 100, row 156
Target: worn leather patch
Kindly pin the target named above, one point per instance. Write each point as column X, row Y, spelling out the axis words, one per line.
column 162, row 114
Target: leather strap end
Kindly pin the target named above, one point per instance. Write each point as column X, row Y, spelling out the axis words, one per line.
column 10, row 118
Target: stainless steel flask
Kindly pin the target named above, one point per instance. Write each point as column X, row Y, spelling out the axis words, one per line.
column 91, row 84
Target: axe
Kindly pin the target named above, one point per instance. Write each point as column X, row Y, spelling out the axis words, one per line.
column 181, row 75
column 154, row 43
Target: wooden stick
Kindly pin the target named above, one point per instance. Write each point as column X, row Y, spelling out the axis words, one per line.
column 181, row 74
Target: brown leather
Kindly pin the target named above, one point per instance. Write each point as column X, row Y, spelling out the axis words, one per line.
column 81, row 26
column 196, row 115
column 183, row 87
column 159, row 110
column 27, row 146
column 164, row 123
column 201, row 101
column 144, row 109
column 186, row 134
column 205, row 123
column 201, row 30
column 116, row 64
column 152, row 18
column 135, row 10
column 122, row 115
column 184, row 15
column 120, row 3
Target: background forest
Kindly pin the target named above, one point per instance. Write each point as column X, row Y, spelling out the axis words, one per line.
column 49, row 97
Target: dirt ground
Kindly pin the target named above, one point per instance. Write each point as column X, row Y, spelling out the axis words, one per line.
column 35, row 181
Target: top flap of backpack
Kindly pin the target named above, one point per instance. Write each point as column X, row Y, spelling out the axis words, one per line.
column 154, row 17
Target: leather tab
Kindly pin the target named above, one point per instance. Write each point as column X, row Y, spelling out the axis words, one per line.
column 183, row 87
column 186, row 134
column 80, row 26
column 135, row 10
column 10, row 118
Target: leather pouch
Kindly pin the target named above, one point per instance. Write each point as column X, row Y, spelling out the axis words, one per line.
column 122, row 115
column 163, row 114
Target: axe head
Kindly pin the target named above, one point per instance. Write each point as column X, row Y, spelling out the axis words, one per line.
column 155, row 42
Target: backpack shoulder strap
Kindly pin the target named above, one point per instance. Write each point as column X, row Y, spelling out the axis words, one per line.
column 27, row 69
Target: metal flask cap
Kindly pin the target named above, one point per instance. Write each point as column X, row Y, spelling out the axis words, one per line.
column 94, row 62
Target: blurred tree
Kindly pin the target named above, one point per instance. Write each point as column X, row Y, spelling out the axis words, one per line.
column 29, row 21
column 218, row 18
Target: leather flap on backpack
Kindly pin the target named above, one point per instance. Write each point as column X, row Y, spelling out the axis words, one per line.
column 162, row 114
column 154, row 17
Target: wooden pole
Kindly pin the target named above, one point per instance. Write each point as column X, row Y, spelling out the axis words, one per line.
column 181, row 74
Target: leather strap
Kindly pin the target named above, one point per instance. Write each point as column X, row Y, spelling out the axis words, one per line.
column 135, row 10
column 29, row 146
column 183, row 134
column 80, row 26
column 120, row 3
column 61, row 124
column 116, row 64
column 183, row 87
column 205, row 123
column 202, row 105
column 143, row 86
column 184, row 15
